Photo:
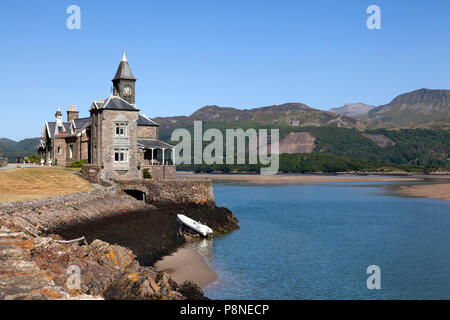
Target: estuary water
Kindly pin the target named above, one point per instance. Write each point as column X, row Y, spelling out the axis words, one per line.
column 315, row 241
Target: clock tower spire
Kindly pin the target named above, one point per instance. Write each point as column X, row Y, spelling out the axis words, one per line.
column 124, row 82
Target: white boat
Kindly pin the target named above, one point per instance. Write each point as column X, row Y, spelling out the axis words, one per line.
column 195, row 225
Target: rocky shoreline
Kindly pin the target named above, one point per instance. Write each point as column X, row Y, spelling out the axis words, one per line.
column 125, row 237
column 150, row 232
column 37, row 268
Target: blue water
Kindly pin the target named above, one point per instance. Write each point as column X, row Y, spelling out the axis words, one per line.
column 315, row 241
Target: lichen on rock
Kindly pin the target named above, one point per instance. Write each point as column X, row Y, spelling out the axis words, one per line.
column 36, row 268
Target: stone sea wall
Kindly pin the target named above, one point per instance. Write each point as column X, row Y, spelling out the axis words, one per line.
column 185, row 191
column 43, row 215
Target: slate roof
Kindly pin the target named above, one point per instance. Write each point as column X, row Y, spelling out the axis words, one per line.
column 82, row 123
column 98, row 104
column 154, row 143
column 124, row 71
column 115, row 103
column 144, row 121
column 52, row 127
column 66, row 126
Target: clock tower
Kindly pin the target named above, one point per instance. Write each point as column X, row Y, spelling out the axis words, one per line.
column 124, row 82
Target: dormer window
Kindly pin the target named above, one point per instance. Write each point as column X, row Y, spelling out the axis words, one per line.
column 121, row 129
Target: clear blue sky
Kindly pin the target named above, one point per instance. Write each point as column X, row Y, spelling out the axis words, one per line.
column 188, row 54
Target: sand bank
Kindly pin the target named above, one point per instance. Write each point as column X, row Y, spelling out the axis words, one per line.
column 258, row 179
column 432, row 191
column 186, row 264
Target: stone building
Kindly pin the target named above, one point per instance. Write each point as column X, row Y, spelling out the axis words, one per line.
column 3, row 161
column 115, row 139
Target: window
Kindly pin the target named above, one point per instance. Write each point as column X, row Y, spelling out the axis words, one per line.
column 122, row 129
column 59, row 150
column 121, row 155
column 70, row 151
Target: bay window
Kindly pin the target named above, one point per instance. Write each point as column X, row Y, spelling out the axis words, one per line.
column 121, row 129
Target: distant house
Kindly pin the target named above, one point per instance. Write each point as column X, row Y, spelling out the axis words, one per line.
column 116, row 137
column 3, row 161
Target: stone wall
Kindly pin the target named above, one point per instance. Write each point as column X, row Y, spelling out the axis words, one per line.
column 95, row 141
column 74, row 141
column 84, row 146
column 60, row 152
column 174, row 191
column 91, row 173
column 3, row 161
column 109, row 141
column 162, row 172
column 42, row 215
column 148, row 132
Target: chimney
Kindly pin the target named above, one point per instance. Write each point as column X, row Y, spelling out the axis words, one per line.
column 72, row 114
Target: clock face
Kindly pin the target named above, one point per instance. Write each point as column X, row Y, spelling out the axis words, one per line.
column 127, row 90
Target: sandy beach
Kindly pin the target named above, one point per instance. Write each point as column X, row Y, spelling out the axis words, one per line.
column 276, row 179
column 186, row 264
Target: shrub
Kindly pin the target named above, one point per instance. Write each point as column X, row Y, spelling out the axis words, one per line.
column 34, row 158
column 78, row 164
column 147, row 174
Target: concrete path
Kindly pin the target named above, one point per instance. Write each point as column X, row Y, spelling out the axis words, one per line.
column 14, row 166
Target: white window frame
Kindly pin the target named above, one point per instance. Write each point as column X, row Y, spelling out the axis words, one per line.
column 121, row 129
column 122, row 155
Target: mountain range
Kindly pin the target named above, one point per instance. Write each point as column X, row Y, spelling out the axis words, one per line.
column 422, row 108
column 285, row 115
column 350, row 130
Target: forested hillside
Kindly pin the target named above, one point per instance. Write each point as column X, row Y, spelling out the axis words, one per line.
column 409, row 149
column 24, row 148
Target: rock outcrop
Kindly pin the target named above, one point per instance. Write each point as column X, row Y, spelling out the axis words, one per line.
column 39, row 268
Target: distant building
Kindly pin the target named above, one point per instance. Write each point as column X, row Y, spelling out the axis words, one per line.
column 116, row 137
column 3, row 161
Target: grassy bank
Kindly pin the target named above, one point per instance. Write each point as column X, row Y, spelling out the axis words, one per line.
column 37, row 183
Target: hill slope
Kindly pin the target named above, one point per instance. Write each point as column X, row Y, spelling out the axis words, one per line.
column 24, row 148
column 285, row 115
column 353, row 109
column 422, row 108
